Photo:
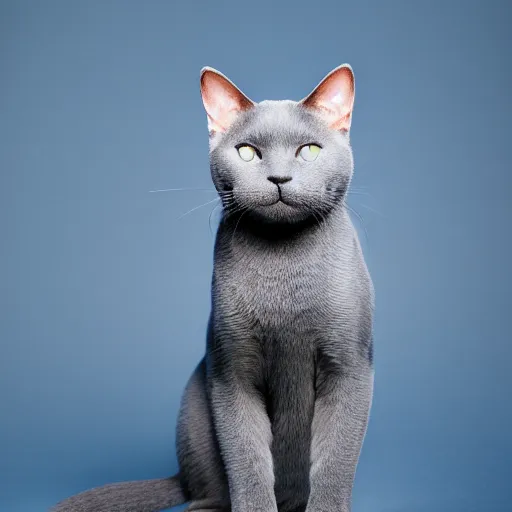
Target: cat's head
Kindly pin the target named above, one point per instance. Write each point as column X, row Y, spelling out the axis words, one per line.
column 280, row 161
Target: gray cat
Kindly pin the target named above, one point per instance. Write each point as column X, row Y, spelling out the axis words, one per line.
column 274, row 416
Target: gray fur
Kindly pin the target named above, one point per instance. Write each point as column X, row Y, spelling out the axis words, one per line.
column 274, row 416
column 141, row 496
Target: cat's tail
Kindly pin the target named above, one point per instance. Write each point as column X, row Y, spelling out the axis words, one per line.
column 138, row 496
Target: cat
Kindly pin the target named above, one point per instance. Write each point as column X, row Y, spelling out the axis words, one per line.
column 274, row 416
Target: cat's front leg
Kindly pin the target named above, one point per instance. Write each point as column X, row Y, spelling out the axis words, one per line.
column 244, row 435
column 339, row 426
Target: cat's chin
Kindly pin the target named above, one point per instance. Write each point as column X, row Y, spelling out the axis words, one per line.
column 280, row 212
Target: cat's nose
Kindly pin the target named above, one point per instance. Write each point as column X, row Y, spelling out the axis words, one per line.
column 278, row 180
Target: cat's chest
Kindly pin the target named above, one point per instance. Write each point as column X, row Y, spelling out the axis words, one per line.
column 280, row 289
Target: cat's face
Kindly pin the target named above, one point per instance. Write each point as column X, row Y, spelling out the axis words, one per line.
column 280, row 161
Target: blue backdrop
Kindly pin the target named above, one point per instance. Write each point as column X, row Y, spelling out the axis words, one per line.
column 105, row 292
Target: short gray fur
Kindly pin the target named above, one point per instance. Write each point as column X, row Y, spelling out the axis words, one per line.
column 274, row 416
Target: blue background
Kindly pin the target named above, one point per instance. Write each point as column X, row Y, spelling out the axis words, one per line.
column 105, row 292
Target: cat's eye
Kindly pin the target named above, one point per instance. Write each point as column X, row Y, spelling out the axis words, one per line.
column 246, row 153
column 309, row 152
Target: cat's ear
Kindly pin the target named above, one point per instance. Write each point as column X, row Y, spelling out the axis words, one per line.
column 333, row 98
column 222, row 100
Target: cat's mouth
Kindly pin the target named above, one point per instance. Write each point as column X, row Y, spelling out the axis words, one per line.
column 280, row 200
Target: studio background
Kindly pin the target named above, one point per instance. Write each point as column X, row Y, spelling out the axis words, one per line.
column 105, row 291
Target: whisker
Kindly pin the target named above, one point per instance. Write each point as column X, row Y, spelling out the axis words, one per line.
column 358, row 193
column 183, row 189
column 197, row 207
column 210, row 218
column 316, row 218
column 359, row 217
column 229, row 206
column 230, row 210
column 236, row 226
column 321, row 215
column 372, row 210
column 231, row 213
column 314, row 211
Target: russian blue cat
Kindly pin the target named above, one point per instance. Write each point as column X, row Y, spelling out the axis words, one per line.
column 274, row 416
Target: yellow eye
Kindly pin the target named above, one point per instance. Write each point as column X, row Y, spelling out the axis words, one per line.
column 246, row 153
column 310, row 152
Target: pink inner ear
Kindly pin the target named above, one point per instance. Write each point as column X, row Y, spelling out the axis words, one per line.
column 334, row 98
column 222, row 100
